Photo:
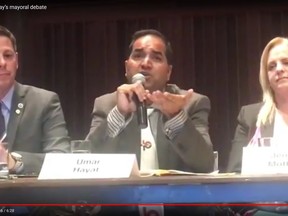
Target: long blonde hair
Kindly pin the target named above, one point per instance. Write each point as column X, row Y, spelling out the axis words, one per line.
column 266, row 113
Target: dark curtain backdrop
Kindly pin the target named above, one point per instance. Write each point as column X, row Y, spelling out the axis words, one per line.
column 79, row 52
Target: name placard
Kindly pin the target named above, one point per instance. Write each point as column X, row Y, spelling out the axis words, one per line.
column 265, row 160
column 88, row 166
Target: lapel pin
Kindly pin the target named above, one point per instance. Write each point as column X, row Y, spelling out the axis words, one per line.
column 20, row 105
column 17, row 111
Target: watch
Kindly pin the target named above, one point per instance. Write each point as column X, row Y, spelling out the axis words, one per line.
column 18, row 167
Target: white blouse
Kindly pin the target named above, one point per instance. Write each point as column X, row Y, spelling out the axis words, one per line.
column 280, row 133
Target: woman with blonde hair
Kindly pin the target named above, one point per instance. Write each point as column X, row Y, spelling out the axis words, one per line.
column 270, row 117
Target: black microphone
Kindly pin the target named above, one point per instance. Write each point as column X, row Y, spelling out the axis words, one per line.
column 141, row 106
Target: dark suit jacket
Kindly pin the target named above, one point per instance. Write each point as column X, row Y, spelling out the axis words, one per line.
column 190, row 150
column 38, row 128
column 244, row 132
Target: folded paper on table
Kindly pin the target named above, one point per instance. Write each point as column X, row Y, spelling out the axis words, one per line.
column 163, row 172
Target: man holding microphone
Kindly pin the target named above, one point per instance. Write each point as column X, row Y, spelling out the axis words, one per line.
column 176, row 134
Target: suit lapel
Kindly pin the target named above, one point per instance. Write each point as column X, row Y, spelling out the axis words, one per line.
column 163, row 148
column 17, row 109
column 163, row 151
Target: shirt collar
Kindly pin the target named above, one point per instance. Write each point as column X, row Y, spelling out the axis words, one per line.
column 7, row 100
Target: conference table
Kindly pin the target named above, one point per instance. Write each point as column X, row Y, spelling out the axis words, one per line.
column 182, row 189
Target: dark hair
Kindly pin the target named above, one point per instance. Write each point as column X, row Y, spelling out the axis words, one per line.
column 144, row 32
column 5, row 32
